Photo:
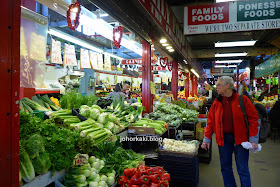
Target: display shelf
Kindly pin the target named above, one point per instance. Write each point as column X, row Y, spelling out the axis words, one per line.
column 46, row 179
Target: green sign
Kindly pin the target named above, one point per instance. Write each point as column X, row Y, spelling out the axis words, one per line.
column 228, row 71
column 258, row 10
column 270, row 66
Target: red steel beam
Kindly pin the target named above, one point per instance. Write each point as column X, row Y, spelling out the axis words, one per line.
column 146, row 77
column 187, row 85
column 195, row 85
column 174, row 88
column 9, row 112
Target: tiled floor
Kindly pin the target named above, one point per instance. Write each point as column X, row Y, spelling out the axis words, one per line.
column 264, row 167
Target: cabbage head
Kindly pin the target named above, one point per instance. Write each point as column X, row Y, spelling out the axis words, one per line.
column 94, row 113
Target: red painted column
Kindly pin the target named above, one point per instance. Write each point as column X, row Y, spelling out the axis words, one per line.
column 187, row 85
column 174, row 88
column 192, row 84
column 195, row 85
column 9, row 111
column 147, row 101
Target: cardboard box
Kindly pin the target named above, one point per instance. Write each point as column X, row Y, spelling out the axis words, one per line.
column 199, row 132
column 141, row 130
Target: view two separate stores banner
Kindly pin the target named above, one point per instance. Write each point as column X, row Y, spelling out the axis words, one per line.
column 232, row 17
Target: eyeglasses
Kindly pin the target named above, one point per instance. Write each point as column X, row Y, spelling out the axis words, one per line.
column 218, row 85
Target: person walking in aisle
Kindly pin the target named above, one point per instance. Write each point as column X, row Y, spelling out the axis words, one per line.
column 241, row 89
column 227, row 120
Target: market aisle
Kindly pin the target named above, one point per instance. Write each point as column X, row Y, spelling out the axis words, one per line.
column 264, row 167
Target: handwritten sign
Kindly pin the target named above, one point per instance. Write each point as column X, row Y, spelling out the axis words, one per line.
column 56, row 52
column 80, row 159
column 93, row 59
column 107, row 63
column 85, row 59
column 69, row 55
column 100, row 61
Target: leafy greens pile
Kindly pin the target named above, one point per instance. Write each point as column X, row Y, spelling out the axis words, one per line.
column 174, row 115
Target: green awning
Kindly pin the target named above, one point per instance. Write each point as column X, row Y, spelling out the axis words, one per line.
column 270, row 66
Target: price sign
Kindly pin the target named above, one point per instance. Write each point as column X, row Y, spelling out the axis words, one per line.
column 107, row 63
column 56, row 52
column 80, row 159
column 93, row 59
column 100, row 61
column 85, row 59
column 69, row 55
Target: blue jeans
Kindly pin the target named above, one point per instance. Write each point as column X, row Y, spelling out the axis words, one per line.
column 241, row 159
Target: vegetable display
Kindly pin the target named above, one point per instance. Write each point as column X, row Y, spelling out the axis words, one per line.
column 180, row 146
column 144, row 176
column 159, row 126
column 89, row 175
column 174, row 115
column 74, row 99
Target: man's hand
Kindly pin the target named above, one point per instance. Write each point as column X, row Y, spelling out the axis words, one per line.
column 254, row 146
column 205, row 146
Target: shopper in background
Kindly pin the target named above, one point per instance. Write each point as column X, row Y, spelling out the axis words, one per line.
column 240, row 89
column 214, row 95
column 231, row 131
column 118, row 91
column 126, row 89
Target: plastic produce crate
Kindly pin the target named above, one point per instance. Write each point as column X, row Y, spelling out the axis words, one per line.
column 183, row 169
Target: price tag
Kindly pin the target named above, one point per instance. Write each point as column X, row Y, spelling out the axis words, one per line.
column 80, row 159
column 56, row 52
column 85, row 59
column 69, row 55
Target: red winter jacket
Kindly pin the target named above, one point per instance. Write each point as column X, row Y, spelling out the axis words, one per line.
column 215, row 121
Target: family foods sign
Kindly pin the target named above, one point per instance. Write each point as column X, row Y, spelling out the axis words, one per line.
column 232, row 17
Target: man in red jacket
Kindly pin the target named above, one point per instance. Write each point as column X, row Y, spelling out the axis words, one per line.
column 227, row 120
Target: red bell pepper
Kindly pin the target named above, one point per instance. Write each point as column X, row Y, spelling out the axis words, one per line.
column 145, row 179
column 156, row 170
column 166, row 176
column 135, row 185
column 126, row 185
column 141, row 170
column 129, row 172
column 144, row 185
column 155, row 178
column 153, row 184
column 134, row 180
column 122, row 180
column 164, row 183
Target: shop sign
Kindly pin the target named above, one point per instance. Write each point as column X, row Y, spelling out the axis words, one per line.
column 221, row 71
column 232, row 17
column 131, row 61
column 163, row 15
column 270, row 66
column 158, row 68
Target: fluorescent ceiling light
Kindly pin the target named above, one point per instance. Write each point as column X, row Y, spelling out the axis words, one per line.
column 230, row 54
column 163, row 40
column 103, row 15
column 220, row 1
column 169, row 47
column 224, row 66
column 171, row 50
column 165, row 44
column 185, row 61
column 235, row 44
column 194, row 72
column 73, row 40
column 228, row 61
